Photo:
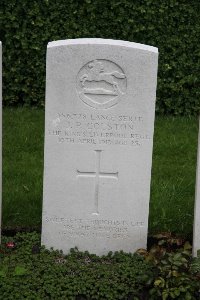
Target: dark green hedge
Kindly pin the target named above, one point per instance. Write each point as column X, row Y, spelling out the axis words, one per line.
column 173, row 26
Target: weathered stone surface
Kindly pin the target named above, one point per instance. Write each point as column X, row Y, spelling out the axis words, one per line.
column 196, row 231
column 100, row 103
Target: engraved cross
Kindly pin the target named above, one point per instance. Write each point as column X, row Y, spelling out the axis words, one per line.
column 97, row 175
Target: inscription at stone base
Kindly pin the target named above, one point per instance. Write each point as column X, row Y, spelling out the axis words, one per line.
column 96, row 228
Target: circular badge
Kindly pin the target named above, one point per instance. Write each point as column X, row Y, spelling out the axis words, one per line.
column 101, row 83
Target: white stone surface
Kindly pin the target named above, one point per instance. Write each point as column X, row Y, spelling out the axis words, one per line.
column 99, row 122
column 0, row 137
column 196, row 229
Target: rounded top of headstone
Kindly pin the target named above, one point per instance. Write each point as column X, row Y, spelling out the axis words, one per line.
column 98, row 41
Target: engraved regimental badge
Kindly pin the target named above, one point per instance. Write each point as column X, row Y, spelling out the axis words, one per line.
column 101, row 83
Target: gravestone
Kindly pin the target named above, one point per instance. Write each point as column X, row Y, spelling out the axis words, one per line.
column 99, row 122
column 0, row 137
column 196, row 230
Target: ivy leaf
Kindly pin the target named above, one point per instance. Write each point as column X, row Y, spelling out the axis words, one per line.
column 3, row 271
column 19, row 271
column 187, row 246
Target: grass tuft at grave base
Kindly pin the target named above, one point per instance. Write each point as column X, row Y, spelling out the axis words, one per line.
column 29, row 271
column 173, row 171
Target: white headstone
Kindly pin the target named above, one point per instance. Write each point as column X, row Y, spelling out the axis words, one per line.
column 196, row 230
column 0, row 136
column 100, row 104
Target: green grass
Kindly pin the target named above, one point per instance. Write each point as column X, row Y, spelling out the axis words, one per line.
column 23, row 131
column 173, row 173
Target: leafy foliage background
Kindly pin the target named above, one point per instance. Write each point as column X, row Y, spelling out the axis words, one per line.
column 173, row 26
column 29, row 271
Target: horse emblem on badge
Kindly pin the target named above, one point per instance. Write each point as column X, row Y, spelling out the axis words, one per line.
column 101, row 83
